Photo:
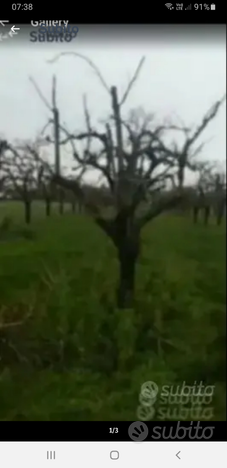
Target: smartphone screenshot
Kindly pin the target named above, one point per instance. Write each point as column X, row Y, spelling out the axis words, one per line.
column 112, row 235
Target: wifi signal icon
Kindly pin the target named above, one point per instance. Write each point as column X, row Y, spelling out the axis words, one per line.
column 169, row 6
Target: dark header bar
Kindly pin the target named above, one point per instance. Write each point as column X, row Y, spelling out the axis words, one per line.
column 112, row 431
column 177, row 13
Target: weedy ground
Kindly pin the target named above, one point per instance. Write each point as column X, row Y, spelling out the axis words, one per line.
column 67, row 353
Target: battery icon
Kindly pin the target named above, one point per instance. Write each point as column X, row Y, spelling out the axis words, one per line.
column 213, row 6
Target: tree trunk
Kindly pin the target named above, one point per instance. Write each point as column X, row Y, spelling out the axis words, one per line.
column 181, row 177
column 61, row 206
column 195, row 214
column 206, row 215
column 126, row 287
column 80, row 207
column 48, row 206
column 27, row 211
column 220, row 213
column 61, row 201
column 128, row 253
column 73, row 206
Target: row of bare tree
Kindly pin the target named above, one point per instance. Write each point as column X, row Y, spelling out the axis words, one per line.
column 143, row 175
column 25, row 178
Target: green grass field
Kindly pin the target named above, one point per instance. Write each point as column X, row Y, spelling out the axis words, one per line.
column 71, row 355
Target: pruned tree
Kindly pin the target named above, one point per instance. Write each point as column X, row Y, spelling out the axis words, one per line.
column 136, row 163
column 220, row 197
column 186, row 154
column 210, row 193
column 3, row 146
column 56, row 135
column 21, row 171
column 76, row 205
column 45, row 188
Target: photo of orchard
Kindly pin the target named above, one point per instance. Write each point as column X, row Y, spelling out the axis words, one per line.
column 116, row 278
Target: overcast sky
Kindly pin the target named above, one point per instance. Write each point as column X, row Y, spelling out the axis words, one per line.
column 184, row 73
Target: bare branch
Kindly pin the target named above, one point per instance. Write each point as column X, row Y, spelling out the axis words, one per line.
column 205, row 121
column 88, row 123
column 50, row 121
column 110, row 153
column 54, row 102
column 40, row 93
column 106, row 225
column 118, row 127
column 90, row 63
column 133, row 80
column 75, row 187
column 162, row 206
column 72, row 185
column 35, row 154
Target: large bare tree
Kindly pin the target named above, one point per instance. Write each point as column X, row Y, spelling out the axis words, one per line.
column 135, row 161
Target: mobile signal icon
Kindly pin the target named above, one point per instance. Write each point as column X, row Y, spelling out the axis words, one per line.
column 189, row 7
column 169, row 6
